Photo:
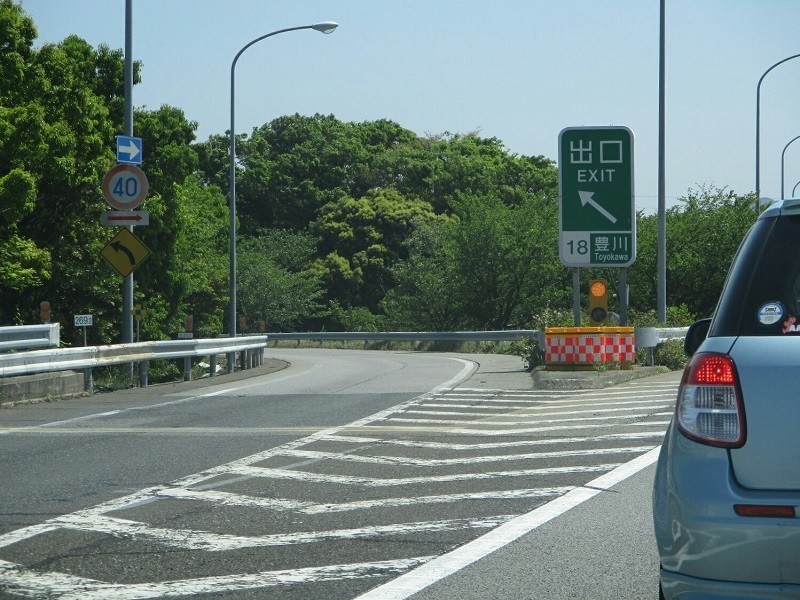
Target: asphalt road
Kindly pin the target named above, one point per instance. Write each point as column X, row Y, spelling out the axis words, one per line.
column 348, row 473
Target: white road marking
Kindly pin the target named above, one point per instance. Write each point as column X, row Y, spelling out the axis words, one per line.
column 268, row 473
column 658, row 433
column 468, row 460
column 188, row 539
column 548, row 405
column 313, row 508
column 518, row 412
column 69, row 587
column 466, row 431
column 483, row 422
column 418, row 579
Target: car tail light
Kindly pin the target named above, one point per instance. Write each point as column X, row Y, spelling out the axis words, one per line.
column 709, row 408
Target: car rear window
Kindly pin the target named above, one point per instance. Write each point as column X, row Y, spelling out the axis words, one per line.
column 761, row 295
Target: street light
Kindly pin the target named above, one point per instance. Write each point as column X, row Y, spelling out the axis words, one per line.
column 324, row 27
column 758, row 128
column 783, row 156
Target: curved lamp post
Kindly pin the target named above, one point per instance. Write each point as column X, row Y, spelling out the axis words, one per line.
column 758, row 128
column 324, row 27
column 783, row 156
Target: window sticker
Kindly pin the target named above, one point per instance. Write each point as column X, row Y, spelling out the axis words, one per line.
column 770, row 313
column 791, row 325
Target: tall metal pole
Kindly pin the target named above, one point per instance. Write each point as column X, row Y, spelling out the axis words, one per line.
column 662, row 203
column 783, row 160
column 758, row 129
column 324, row 27
column 127, row 283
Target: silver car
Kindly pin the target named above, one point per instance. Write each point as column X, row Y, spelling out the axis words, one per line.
column 726, row 498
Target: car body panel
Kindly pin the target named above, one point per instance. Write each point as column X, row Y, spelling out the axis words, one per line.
column 698, row 533
column 770, row 457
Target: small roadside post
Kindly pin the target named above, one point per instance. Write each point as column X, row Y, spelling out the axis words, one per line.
column 85, row 321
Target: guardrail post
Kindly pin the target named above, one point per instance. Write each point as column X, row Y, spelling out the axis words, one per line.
column 212, row 362
column 144, row 372
column 187, row 368
column 88, row 384
column 231, row 362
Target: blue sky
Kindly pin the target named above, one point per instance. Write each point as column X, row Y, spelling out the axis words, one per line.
column 517, row 70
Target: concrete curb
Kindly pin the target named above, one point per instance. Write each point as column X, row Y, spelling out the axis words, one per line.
column 589, row 380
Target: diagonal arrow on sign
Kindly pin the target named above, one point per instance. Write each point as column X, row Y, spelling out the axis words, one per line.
column 587, row 198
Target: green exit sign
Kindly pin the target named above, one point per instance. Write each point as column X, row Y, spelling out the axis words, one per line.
column 597, row 216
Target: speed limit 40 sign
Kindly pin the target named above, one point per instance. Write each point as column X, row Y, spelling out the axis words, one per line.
column 125, row 187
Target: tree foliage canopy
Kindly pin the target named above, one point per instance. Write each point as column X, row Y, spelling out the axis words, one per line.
column 341, row 224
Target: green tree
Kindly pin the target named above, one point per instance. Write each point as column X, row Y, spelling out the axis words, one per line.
column 292, row 167
column 272, row 285
column 427, row 294
column 506, row 256
column 703, row 234
column 199, row 268
column 441, row 168
column 170, row 163
column 55, row 137
column 492, row 266
column 359, row 241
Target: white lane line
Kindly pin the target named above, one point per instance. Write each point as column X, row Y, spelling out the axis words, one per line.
column 471, row 406
column 517, row 412
column 658, row 434
column 408, row 461
column 546, row 421
column 571, row 397
column 19, row 535
column 188, row 539
column 62, row 586
column 461, row 413
column 313, row 508
column 266, row 473
column 452, row 562
column 622, row 388
column 464, row 431
column 655, row 401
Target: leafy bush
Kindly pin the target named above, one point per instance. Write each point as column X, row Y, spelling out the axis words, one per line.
column 670, row 354
column 357, row 318
column 677, row 316
column 532, row 355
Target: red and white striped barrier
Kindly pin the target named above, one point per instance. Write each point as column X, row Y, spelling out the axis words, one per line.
column 587, row 347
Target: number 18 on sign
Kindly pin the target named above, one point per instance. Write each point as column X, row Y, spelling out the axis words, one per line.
column 597, row 217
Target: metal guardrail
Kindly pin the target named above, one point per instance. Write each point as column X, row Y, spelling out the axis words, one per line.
column 21, row 337
column 661, row 334
column 409, row 336
column 88, row 357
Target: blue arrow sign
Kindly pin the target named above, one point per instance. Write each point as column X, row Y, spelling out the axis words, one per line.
column 129, row 150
